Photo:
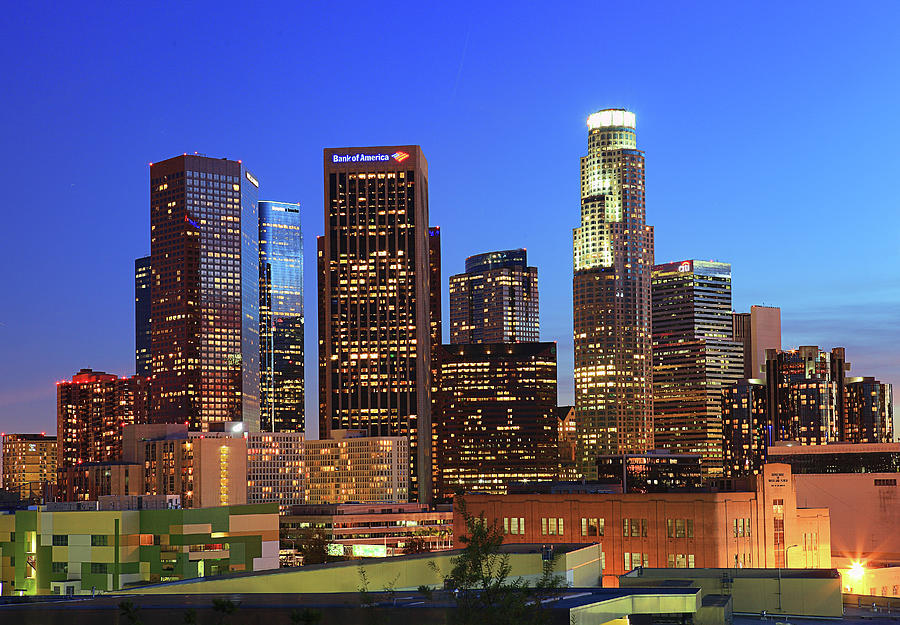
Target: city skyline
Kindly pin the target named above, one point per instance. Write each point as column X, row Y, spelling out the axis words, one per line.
column 841, row 307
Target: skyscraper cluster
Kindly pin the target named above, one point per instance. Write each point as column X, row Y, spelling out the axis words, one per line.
column 662, row 362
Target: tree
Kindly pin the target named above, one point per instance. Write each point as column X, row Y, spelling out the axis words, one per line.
column 224, row 607
column 416, row 544
column 480, row 578
column 312, row 545
column 306, row 616
column 130, row 612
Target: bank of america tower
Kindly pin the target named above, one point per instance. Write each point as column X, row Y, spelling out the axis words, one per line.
column 613, row 261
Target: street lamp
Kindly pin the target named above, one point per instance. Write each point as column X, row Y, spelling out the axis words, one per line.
column 787, row 552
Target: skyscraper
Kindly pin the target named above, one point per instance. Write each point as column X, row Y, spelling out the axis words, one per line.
column 496, row 416
column 204, row 250
column 281, row 318
column 91, row 411
column 758, row 330
column 805, row 394
column 375, row 291
column 613, row 258
column 868, row 411
column 142, row 316
column 745, row 426
column 495, row 300
column 694, row 357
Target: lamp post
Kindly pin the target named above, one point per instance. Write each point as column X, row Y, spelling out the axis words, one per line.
column 787, row 552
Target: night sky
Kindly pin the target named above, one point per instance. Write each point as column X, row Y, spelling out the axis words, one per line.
column 770, row 131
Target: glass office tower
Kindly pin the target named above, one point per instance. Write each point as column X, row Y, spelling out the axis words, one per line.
column 694, row 357
column 613, row 258
column 281, row 318
column 495, row 300
column 376, row 264
column 142, row 316
column 204, row 249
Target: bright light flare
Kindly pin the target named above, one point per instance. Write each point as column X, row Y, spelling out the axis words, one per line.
column 856, row 571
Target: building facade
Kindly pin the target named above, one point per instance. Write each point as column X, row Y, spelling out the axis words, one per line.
column 694, row 357
column 745, row 427
column 758, row 330
column 762, row 528
column 281, row 319
column 495, row 420
column 352, row 467
column 142, row 335
column 206, row 471
column 806, row 394
column 204, row 256
column 658, row 471
column 495, row 300
column 91, row 411
column 46, row 552
column 389, row 527
column 29, row 465
column 868, row 411
column 376, row 317
column 613, row 258
column 860, row 484
column 275, row 468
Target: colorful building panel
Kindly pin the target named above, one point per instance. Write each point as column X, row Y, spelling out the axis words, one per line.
column 42, row 552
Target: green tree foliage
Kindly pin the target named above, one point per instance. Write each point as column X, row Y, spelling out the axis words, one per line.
column 224, row 607
column 306, row 616
column 480, row 578
column 130, row 612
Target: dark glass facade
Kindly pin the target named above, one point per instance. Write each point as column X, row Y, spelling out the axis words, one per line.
column 204, row 292
column 745, row 427
column 805, row 394
column 694, row 356
column 655, row 472
column 868, row 411
column 613, row 259
column 376, row 316
column 495, row 420
column 495, row 300
column 142, row 339
column 850, row 458
column 281, row 320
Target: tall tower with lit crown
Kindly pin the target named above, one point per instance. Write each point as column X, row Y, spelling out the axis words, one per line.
column 613, row 261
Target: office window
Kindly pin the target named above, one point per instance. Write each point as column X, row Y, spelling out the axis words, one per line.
column 514, row 526
column 543, row 526
column 521, row 525
column 506, row 525
column 560, row 524
column 99, row 567
column 99, row 540
column 60, row 540
column 60, row 568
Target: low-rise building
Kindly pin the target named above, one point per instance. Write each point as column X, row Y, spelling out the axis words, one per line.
column 860, row 485
column 72, row 552
column 387, row 526
column 760, row 528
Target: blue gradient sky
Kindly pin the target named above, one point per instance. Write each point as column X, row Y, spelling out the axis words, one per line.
column 770, row 134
